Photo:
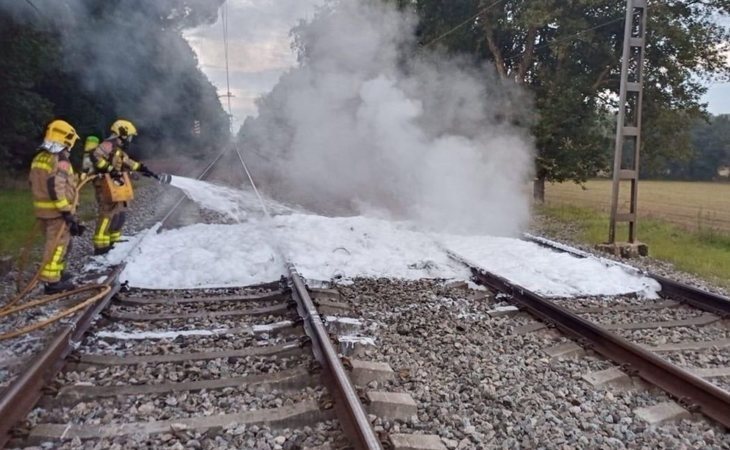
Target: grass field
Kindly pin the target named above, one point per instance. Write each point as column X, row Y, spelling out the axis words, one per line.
column 17, row 220
column 687, row 224
column 690, row 205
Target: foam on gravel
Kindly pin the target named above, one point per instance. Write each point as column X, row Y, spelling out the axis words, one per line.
column 342, row 248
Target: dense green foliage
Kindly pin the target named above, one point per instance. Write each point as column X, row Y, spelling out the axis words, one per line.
column 711, row 143
column 91, row 61
column 568, row 55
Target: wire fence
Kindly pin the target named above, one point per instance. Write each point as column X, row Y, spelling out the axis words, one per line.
column 693, row 206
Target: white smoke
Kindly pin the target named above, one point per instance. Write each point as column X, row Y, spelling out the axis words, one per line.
column 359, row 127
column 132, row 54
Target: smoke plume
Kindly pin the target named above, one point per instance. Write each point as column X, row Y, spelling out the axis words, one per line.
column 128, row 58
column 368, row 123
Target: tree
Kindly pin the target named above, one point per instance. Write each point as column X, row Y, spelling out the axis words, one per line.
column 568, row 55
column 710, row 139
column 91, row 61
column 23, row 111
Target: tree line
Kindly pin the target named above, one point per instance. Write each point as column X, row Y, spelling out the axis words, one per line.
column 567, row 55
column 710, row 159
column 91, row 61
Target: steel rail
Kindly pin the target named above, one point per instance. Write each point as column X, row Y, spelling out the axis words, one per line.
column 689, row 389
column 706, row 301
column 199, row 177
column 698, row 298
column 17, row 400
column 352, row 414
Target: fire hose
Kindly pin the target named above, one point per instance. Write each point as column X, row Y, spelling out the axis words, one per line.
column 10, row 307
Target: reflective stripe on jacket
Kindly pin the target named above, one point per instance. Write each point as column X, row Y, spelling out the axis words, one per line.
column 107, row 157
column 53, row 184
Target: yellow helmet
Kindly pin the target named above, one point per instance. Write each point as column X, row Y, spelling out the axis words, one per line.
column 124, row 128
column 60, row 133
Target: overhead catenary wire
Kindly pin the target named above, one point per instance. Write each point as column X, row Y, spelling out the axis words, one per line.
column 32, row 5
column 512, row 57
column 462, row 24
column 224, row 20
column 224, row 24
column 568, row 38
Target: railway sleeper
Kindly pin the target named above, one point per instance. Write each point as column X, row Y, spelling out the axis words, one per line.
column 281, row 295
column 280, row 308
column 305, row 413
column 285, row 380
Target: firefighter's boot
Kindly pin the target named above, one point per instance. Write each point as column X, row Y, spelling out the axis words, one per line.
column 58, row 287
column 102, row 250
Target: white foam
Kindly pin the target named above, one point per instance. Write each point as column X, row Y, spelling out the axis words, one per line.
column 548, row 272
column 344, row 320
column 272, row 326
column 248, row 253
column 351, row 340
column 140, row 335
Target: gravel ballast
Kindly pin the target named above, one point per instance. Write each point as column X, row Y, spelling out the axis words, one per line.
column 478, row 385
column 230, row 438
column 176, row 405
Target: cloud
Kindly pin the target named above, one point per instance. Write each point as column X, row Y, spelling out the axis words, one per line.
column 259, row 48
column 244, row 57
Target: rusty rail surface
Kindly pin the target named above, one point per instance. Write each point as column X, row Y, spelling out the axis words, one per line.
column 350, row 410
column 698, row 298
column 692, row 391
column 706, row 301
column 17, row 400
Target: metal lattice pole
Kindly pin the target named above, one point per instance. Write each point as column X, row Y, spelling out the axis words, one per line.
column 628, row 129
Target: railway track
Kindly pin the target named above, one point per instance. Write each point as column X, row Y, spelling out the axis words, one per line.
column 48, row 358
column 251, row 367
column 247, row 367
column 257, row 367
column 678, row 343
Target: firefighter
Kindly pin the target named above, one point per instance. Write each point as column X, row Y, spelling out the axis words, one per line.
column 111, row 157
column 90, row 144
column 53, row 185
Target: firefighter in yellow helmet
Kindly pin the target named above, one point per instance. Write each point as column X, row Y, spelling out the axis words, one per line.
column 53, row 184
column 110, row 157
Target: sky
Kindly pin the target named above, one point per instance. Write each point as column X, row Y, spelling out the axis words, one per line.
column 259, row 48
column 260, row 51
column 718, row 98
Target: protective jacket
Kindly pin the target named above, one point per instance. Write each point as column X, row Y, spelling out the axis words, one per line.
column 108, row 156
column 53, row 185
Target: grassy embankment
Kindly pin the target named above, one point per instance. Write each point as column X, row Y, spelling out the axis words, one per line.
column 687, row 224
column 17, row 220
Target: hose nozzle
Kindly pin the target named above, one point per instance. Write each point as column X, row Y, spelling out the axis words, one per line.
column 164, row 178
